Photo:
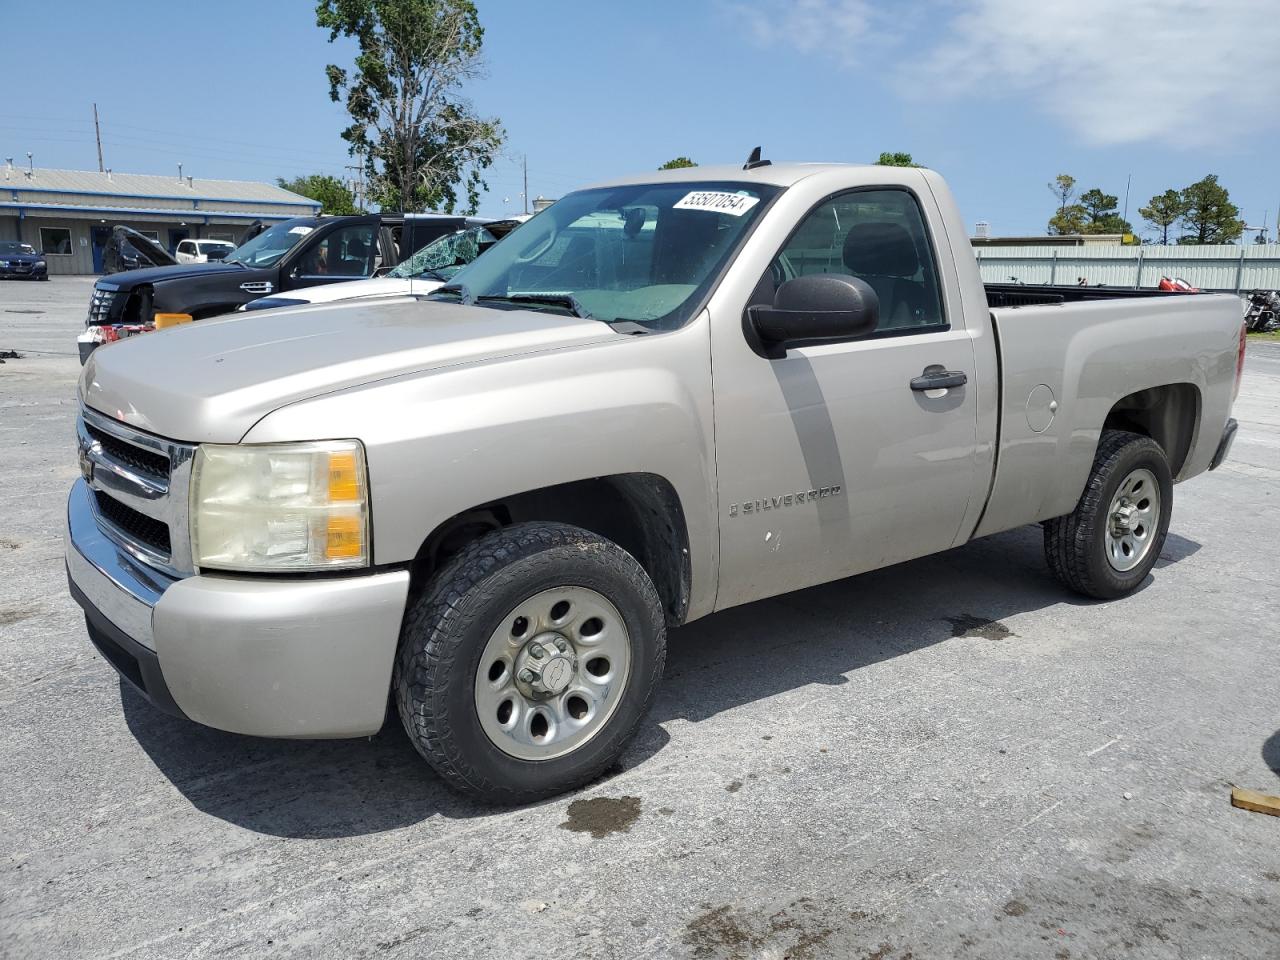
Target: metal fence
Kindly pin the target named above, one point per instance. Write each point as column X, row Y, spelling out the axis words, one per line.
column 1226, row 268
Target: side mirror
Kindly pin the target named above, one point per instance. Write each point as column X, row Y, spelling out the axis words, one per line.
column 819, row 308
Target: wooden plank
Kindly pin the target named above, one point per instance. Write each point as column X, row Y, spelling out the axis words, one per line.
column 1255, row 801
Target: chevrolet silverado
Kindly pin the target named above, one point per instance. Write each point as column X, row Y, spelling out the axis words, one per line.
column 662, row 397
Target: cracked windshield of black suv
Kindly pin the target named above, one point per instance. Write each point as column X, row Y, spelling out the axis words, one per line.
column 646, row 253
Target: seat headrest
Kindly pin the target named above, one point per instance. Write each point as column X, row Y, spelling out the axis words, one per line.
column 880, row 249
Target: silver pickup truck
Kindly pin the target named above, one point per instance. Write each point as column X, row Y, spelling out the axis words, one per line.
column 661, row 397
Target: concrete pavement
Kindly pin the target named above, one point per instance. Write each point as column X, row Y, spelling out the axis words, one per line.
column 949, row 758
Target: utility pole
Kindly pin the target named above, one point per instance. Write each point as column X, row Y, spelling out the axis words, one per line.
column 98, row 136
column 525, row 164
column 357, row 183
column 1128, row 180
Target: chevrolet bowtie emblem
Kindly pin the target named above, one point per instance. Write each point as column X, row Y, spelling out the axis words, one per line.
column 85, row 452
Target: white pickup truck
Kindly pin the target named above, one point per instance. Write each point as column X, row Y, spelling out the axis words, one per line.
column 662, row 397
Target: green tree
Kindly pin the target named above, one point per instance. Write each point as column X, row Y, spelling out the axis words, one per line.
column 1064, row 188
column 1069, row 221
column 1210, row 216
column 896, row 160
column 1100, row 213
column 1163, row 211
column 421, row 142
column 679, row 163
column 331, row 193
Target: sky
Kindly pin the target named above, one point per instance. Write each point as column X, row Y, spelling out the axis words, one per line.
column 997, row 95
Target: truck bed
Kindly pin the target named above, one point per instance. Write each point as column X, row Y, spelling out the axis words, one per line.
column 1084, row 358
column 1026, row 295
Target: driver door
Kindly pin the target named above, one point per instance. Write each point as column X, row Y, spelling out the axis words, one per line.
column 830, row 461
column 338, row 252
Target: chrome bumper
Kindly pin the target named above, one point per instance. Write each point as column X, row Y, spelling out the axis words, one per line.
column 121, row 589
column 307, row 658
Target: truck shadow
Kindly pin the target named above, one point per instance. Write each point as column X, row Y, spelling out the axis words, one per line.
column 343, row 788
column 1271, row 752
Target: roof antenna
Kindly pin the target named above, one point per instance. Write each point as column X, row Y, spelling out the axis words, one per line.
column 754, row 161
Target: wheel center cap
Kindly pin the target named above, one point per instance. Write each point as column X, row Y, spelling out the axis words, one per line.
column 546, row 666
column 1122, row 519
column 557, row 674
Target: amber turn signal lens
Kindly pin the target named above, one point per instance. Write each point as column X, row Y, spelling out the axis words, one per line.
column 163, row 320
column 345, row 538
column 344, row 478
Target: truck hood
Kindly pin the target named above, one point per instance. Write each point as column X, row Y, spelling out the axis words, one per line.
column 212, row 380
column 128, row 279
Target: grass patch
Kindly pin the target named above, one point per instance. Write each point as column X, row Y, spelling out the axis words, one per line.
column 1274, row 335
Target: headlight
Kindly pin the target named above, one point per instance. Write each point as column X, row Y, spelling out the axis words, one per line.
column 286, row 506
column 40, row 263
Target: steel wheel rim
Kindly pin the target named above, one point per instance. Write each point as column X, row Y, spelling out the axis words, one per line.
column 1132, row 520
column 581, row 674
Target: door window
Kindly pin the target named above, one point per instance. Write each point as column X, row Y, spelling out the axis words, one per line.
column 346, row 252
column 878, row 236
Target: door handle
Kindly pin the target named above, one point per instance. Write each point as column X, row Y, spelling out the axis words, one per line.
column 939, row 380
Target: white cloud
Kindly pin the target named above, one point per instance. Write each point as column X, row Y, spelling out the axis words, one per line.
column 1183, row 72
column 1121, row 71
column 832, row 27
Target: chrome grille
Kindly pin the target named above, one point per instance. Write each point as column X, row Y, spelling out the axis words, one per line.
column 100, row 304
column 153, row 464
column 140, row 484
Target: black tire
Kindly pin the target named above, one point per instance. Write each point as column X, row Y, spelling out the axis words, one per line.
column 1075, row 545
column 449, row 622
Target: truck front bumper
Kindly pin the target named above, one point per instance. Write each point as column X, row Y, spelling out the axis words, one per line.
column 307, row 658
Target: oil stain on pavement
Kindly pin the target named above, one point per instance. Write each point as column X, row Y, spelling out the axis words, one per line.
column 967, row 625
column 601, row 816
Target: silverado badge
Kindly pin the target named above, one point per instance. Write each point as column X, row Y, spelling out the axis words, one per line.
column 784, row 500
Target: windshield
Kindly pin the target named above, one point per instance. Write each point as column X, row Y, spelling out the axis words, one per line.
column 218, row 246
column 441, row 259
column 645, row 253
column 12, row 246
column 269, row 246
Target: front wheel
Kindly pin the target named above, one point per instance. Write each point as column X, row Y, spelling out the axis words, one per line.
column 528, row 661
column 1106, row 546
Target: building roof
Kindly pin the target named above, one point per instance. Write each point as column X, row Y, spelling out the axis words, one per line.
column 151, row 186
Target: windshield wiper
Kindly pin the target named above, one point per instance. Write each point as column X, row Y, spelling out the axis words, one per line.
column 566, row 300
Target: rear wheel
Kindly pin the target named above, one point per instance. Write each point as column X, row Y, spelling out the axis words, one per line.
column 528, row 661
column 1106, row 546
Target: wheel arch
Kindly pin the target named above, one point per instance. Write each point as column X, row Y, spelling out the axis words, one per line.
column 1169, row 414
column 641, row 512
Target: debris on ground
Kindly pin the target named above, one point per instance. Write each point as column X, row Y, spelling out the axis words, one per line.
column 1255, row 800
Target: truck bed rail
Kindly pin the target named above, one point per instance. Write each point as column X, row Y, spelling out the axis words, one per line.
column 1029, row 295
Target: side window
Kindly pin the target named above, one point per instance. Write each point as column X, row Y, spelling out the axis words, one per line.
column 878, row 236
column 186, row 246
column 346, row 252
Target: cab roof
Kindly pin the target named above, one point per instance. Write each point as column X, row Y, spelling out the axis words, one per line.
column 782, row 174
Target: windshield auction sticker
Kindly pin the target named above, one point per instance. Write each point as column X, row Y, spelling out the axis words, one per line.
column 713, row 201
